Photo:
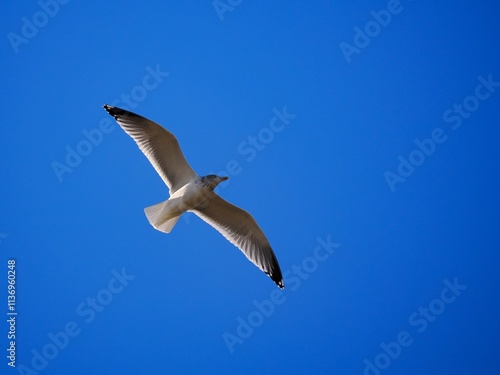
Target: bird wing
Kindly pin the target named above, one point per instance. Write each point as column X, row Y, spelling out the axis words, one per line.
column 241, row 229
column 158, row 144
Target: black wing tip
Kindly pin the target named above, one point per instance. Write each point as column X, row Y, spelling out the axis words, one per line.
column 113, row 111
column 273, row 270
column 278, row 280
column 118, row 112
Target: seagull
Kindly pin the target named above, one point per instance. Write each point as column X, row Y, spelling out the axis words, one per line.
column 190, row 192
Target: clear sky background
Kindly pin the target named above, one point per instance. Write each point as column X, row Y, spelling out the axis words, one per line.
column 389, row 158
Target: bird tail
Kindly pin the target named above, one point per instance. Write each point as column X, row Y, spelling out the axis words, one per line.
column 160, row 216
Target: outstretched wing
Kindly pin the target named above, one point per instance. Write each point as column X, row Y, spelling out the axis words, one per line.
column 158, row 144
column 241, row 229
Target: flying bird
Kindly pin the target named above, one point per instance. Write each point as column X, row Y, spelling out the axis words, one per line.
column 190, row 192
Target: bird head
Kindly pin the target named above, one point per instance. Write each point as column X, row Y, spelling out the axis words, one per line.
column 213, row 180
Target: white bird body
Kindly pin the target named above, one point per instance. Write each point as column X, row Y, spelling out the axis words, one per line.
column 164, row 215
column 190, row 192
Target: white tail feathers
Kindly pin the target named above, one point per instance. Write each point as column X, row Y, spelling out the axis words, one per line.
column 160, row 217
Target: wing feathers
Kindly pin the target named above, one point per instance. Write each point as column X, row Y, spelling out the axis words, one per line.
column 158, row 144
column 241, row 229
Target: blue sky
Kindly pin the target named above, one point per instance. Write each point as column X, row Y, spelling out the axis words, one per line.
column 378, row 192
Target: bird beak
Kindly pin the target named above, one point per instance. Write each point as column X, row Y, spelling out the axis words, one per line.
column 224, row 178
